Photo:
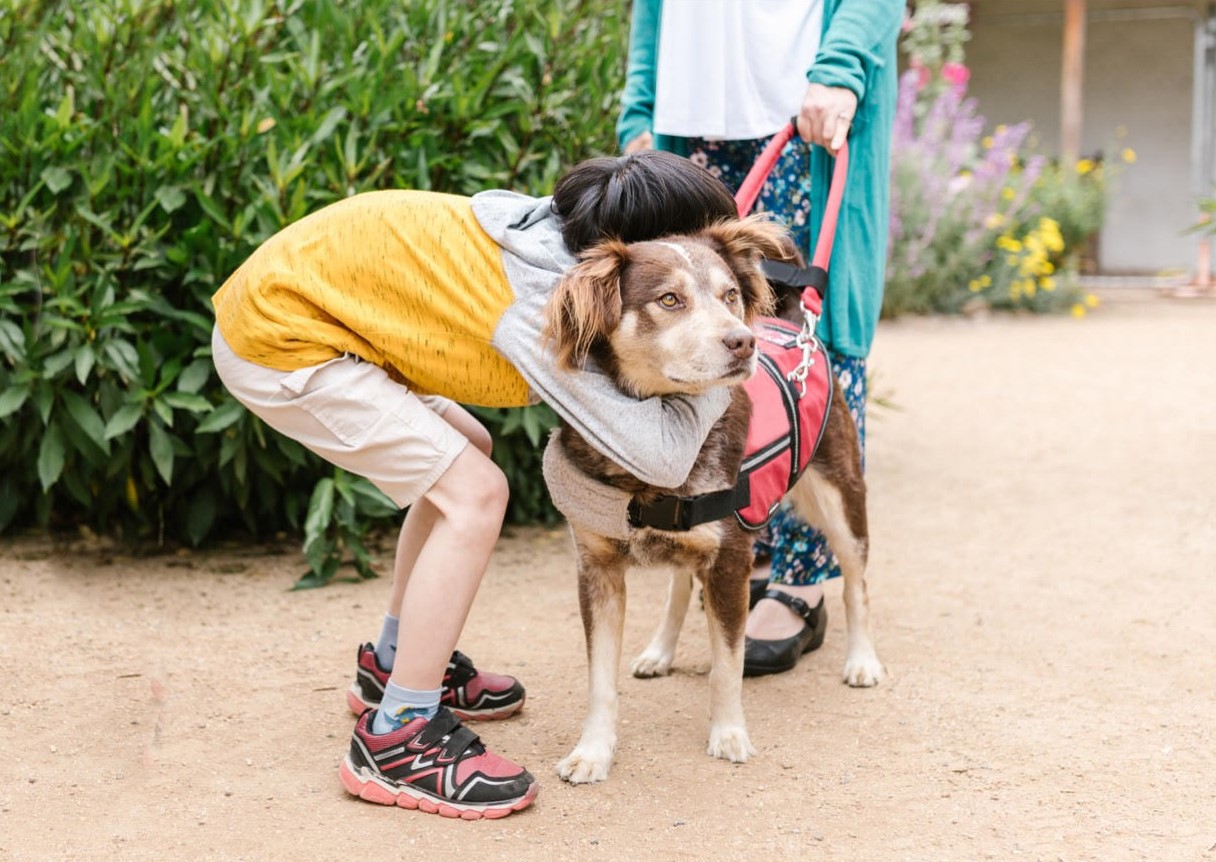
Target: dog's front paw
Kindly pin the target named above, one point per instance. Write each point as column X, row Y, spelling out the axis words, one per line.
column 863, row 670
column 651, row 663
column 586, row 764
column 730, row 743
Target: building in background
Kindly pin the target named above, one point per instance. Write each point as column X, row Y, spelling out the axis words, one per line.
column 1097, row 76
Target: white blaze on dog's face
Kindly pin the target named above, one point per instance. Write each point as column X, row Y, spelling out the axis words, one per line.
column 682, row 327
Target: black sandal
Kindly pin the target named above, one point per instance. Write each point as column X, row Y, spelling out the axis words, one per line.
column 762, row 657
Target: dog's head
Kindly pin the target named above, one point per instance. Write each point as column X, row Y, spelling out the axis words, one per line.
column 669, row 316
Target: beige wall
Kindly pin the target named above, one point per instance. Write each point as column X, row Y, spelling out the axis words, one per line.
column 1139, row 67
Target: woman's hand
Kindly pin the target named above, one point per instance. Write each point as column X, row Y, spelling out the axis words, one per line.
column 644, row 141
column 826, row 116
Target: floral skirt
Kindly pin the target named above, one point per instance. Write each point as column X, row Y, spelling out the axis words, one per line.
column 799, row 553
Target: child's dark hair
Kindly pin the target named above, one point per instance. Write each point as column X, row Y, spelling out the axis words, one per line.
column 637, row 197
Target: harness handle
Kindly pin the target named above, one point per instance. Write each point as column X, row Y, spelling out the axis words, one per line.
column 816, row 278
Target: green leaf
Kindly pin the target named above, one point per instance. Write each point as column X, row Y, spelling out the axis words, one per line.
column 187, row 401
column 320, row 508
column 50, row 457
column 12, row 399
column 12, row 340
column 57, row 179
column 220, row 418
column 123, row 357
column 195, row 376
column 85, row 359
column 124, row 419
column 87, row 418
column 200, row 517
column 170, row 198
column 160, row 447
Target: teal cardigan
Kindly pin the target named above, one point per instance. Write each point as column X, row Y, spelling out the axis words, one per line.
column 857, row 52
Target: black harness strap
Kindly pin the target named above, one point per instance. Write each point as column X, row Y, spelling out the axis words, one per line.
column 798, row 277
column 683, row 513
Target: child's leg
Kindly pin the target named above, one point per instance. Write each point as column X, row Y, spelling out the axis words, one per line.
column 469, row 502
column 421, row 516
column 353, row 415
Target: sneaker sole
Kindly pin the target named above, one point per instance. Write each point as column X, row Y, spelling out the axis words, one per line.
column 357, row 705
column 371, row 788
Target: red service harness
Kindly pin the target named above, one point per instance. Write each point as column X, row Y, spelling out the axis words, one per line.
column 790, row 392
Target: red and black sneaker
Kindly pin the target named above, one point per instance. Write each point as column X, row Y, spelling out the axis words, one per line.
column 438, row 766
column 471, row 694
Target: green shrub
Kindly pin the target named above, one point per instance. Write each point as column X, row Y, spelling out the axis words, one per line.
column 148, row 146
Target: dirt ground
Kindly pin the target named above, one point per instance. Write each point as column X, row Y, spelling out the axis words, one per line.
column 1043, row 583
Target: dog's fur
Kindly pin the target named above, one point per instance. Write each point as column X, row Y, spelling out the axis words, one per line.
column 671, row 316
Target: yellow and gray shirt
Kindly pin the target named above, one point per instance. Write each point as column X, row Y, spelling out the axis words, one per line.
column 447, row 293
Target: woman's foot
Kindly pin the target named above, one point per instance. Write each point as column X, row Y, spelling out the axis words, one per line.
column 771, row 620
column 782, row 627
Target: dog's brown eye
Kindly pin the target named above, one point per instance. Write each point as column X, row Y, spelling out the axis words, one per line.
column 669, row 300
column 732, row 296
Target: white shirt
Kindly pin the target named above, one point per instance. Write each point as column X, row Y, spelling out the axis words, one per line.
column 733, row 69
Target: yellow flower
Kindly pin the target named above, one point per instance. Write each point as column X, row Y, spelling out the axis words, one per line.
column 987, row 142
column 1001, row 128
column 1091, row 301
column 1047, row 283
column 1085, row 166
column 994, row 221
column 1008, row 243
column 1078, row 310
column 985, row 281
column 1008, row 193
column 1129, row 155
column 974, row 285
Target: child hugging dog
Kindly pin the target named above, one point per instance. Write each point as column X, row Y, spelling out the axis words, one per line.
column 359, row 331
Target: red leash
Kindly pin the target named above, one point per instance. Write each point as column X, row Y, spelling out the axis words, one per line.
column 749, row 190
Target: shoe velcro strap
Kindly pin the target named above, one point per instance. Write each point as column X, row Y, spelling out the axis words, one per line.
column 461, row 669
column 795, row 604
column 447, row 730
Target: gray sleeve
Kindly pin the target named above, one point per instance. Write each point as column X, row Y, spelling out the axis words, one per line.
column 600, row 508
column 657, row 439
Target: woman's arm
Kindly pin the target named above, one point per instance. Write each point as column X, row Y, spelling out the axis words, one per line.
column 637, row 100
column 851, row 44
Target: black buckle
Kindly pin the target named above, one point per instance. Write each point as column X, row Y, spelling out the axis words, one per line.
column 665, row 513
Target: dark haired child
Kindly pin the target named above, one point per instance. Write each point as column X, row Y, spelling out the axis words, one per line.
column 358, row 331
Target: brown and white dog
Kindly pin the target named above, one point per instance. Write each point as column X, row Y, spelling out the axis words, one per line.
column 671, row 316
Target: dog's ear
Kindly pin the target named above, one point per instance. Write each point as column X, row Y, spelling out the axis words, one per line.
column 741, row 244
column 755, row 236
column 586, row 305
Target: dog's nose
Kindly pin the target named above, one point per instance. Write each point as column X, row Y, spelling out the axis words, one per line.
column 740, row 342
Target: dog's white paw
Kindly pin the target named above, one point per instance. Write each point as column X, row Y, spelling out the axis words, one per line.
column 730, row 743
column 864, row 670
column 651, row 663
column 586, row 764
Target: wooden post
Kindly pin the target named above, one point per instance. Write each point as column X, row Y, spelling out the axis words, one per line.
column 1070, row 81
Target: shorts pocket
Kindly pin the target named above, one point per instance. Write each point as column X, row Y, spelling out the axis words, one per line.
column 339, row 395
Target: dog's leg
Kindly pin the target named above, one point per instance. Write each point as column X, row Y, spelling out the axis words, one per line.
column 821, row 503
column 601, row 598
column 726, row 613
column 656, row 659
